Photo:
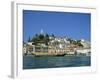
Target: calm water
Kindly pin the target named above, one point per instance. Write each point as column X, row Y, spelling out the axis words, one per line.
column 32, row 62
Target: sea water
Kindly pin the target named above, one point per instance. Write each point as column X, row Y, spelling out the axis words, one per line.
column 33, row 62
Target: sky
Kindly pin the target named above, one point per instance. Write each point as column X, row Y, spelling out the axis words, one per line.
column 70, row 24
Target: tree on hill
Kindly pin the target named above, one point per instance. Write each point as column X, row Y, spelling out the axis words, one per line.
column 29, row 39
column 40, row 38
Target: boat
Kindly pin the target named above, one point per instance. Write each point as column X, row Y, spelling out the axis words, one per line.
column 61, row 54
column 50, row 54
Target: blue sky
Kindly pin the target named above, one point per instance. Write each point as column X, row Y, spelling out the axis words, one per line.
column 73, row 25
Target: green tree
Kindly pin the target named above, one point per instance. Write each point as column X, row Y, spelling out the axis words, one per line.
column 41, row 37
column 46, row 39
column 79, row 43
column 53, row 35
column 29, row 39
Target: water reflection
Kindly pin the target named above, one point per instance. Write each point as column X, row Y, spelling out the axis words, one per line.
column 31, row 62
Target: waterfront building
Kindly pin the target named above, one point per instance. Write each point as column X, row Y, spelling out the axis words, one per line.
column 28, row 48
column 56, row 50
column 85, row 51
column 41, row 47
column 24, row 49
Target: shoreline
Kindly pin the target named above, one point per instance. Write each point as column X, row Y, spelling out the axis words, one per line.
column 56, row 55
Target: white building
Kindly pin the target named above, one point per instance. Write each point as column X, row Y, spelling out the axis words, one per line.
column 86, row 44
column 30, row 43
column 24, row 49
column 86, row 51
column 28, row 48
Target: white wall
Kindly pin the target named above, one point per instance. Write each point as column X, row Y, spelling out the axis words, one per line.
column 5, row 41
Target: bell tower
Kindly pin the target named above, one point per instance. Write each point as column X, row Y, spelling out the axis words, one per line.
column 41, row 31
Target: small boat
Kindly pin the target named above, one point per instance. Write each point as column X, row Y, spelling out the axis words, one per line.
column 49, row 54
column 61, row 54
